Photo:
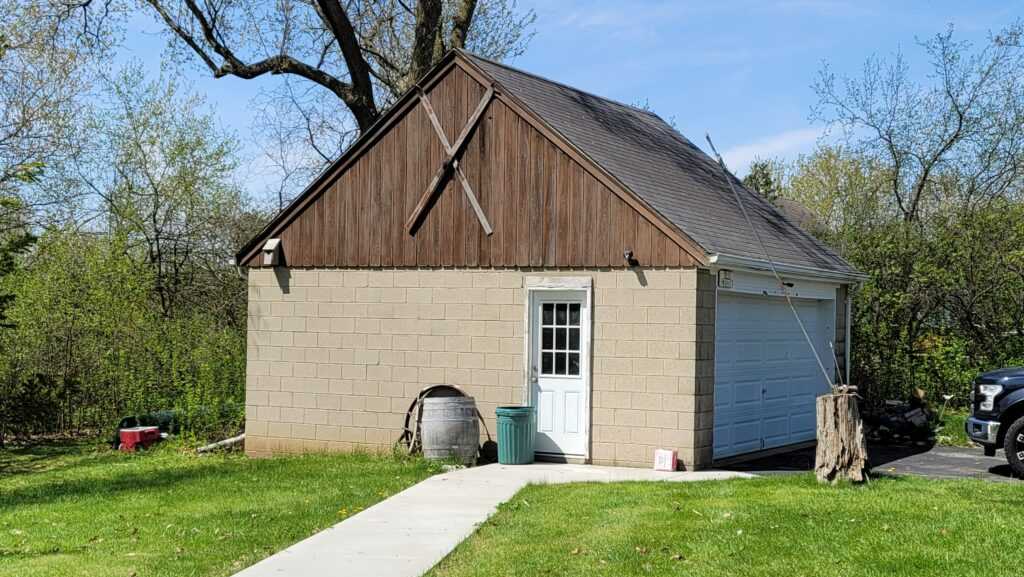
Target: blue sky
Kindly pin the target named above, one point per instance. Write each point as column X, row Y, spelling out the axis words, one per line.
column 739, row 70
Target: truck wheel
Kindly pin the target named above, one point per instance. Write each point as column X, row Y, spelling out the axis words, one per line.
column 1014, row 445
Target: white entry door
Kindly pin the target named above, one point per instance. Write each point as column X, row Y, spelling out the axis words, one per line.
column 559, row 371
column 766, row 376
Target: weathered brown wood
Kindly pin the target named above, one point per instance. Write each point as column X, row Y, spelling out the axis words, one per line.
column 610, row 182
column 604, row 225
column 435, row 121
column 318, row 241
column 517, row 211
column 842, row 453
column 550, row 176
column 502, row 196
column 532, row 164
column 450, row 164
column 544, row 206
column 472, row 122
column 473, row 201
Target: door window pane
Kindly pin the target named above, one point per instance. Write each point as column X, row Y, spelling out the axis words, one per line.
column 559, row 363
column 560, row 339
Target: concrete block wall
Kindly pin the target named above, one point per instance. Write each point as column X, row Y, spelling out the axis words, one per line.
column 701, row 420
column 335, row 356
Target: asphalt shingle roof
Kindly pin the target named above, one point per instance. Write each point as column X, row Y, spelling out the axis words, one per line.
column 667, row 171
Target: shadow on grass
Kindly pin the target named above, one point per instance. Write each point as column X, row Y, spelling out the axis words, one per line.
column 151, row 473
column 112, row 484
column 52, row 456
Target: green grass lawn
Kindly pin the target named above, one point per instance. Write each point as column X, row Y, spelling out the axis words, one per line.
column 84, row 510
column 781, row 526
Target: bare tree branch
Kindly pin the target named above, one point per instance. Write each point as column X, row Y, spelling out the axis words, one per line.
column 461, row 23
column 361, row 100
column 428, row 16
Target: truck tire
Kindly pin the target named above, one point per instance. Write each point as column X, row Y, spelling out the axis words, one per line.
column 1014, row 446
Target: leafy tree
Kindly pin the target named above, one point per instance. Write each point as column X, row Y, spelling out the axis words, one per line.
column 15, row 239
column 966, row 127
column 163, row 172
column 923, row 170
column 765, row 178
column 965, row 293
column 137, row 306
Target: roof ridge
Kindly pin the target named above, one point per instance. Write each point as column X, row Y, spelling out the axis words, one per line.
column 560, row 84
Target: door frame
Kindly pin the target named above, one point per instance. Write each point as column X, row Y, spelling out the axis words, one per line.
column 538, row 285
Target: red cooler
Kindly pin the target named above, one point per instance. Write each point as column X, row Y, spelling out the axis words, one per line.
column 135, row 437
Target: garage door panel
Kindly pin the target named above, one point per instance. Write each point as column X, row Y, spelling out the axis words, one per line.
column 766, row 376
column 774, row 351
column 746, row 392
column 776, row 406
column 803, row 427
column 740, row 436
column 775, row 428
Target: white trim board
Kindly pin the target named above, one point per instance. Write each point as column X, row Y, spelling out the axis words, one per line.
column 765, row 284
column 753, row 264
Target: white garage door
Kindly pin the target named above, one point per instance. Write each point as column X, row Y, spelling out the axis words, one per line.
column 766, row 377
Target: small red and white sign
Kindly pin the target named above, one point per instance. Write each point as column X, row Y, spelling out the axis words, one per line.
column 665, row 460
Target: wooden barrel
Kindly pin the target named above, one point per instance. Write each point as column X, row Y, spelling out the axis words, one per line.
column 449, row 429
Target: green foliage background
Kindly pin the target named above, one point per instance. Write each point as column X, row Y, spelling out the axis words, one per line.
column 131, row 304
column 89, row 344
column 945, row 295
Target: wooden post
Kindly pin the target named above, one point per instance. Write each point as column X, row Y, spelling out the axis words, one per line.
column 842, row 451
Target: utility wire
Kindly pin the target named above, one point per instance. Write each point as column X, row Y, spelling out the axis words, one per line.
column 771, row 264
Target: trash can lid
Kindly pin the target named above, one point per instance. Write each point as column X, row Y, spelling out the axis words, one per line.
column 513, row 411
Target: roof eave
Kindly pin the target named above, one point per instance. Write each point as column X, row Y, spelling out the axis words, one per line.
column 755, row 264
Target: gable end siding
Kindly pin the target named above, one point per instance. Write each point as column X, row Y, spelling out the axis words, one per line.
column 548, row 208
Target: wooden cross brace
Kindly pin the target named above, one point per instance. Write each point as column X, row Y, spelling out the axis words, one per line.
column 451, row 164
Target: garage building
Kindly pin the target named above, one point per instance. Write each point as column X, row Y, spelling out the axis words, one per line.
column 533, row 243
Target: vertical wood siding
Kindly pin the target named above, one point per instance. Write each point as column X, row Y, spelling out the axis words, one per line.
column 546, row 209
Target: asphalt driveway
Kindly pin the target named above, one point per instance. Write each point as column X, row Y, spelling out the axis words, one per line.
column 932, row 462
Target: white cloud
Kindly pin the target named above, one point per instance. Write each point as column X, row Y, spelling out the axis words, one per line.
column 783, row 145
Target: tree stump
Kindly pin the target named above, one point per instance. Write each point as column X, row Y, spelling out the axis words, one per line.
column 842, row 451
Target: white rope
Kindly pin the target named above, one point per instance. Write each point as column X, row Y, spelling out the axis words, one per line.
column 771, row 264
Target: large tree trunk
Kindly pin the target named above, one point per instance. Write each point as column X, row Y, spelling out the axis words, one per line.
column 842, row 451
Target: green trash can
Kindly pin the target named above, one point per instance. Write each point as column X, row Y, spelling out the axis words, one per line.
column 515, row 435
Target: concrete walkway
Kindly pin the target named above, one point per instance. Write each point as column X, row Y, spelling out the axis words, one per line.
column 406, row 535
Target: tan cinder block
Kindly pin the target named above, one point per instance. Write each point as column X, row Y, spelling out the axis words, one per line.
column 315, row 417
column 303, row 431
column 340, row 418
column 646, row 401
column 335, row 361
column 630, row 417
column 255, row 429
column 278, row 429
